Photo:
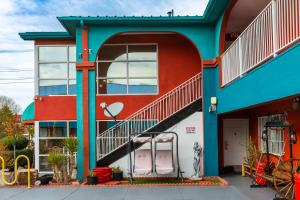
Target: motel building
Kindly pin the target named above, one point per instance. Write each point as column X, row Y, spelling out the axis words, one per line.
column 214, row 79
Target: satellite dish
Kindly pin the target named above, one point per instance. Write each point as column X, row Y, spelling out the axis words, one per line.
column 113, row 109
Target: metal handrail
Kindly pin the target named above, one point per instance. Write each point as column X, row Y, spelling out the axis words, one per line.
column 273, row 30
column 150, row 115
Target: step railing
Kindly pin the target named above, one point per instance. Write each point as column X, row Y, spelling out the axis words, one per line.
column 150, row 115
column 273, row 30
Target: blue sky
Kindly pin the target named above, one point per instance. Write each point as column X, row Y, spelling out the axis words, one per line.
column 16, row 55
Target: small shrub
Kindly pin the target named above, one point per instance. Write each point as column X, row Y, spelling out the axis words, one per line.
column 116, row 169
column 58, row 164
column 9, row 158
column 20, row 141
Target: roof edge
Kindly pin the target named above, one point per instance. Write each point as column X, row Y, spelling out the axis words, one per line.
column 45, row 35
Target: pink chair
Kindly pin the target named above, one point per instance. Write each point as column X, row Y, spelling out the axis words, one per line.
column 164, row 162
column 142, row 162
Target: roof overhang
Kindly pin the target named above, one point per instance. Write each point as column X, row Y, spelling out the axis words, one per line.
column 28, row 114
column 212, row 13
column 45, row 35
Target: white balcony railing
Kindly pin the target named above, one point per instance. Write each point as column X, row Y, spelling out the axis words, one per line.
column 274, row 29
column 149, row 116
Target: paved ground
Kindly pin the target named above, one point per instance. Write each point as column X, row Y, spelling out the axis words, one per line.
column 238, row 190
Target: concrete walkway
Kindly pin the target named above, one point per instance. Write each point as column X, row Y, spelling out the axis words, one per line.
column 238, row 190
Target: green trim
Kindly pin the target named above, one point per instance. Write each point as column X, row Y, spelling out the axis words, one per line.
column 92, row 118
column 79, row 106
column 28, row 114
column 45, row 35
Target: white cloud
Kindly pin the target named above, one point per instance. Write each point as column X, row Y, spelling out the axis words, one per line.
column 40, row 15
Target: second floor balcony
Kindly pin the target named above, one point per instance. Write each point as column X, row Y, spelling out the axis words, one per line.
column 275, row 29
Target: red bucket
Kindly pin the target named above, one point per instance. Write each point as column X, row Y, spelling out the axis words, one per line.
column 103, row 173
column 260, row 170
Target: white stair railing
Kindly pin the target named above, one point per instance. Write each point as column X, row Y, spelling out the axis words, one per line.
column 150, row 115
column 273, row 30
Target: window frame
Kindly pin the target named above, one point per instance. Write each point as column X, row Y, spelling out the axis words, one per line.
column 127, row 61
column 37, row 69
column 262, row 143
column 52, row 138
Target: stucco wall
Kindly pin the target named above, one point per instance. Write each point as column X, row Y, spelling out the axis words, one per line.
column 186, row 142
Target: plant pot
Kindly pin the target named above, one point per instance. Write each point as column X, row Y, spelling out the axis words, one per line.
column 92, row 180
column 117, row 176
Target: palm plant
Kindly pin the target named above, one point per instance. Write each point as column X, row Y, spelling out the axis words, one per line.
column 56, row 160
column 71, row 144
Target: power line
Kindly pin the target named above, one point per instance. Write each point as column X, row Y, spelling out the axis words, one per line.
column 7, row 79
column 16, row 70
column 16, row 82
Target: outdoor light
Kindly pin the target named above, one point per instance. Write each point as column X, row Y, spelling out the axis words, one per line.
column 293, row 136
column 296, row 104
column 264, row 136
column 213, row 104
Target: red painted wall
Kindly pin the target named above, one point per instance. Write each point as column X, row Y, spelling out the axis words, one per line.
column 276, row 107
column 178, row 60
column 55, row 108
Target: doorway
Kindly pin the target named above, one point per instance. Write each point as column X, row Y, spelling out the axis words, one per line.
column 235, row 135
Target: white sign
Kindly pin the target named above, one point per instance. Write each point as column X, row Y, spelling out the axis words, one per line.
column 190, row 130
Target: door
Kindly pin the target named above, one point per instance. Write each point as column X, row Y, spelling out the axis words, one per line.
column 235, row 134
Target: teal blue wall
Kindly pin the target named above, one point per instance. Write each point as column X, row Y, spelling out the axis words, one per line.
column 276, row 79
column 210, row 84
column 92, row 118
column 79, row 107
column 205, row 38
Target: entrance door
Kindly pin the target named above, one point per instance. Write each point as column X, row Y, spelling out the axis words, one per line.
column 235, row 134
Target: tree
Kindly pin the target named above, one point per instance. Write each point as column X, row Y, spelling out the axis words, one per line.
column 8, row 122
column 12, row 105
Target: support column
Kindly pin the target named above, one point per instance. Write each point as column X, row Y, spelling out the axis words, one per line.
column 210, row 86
column 85, row 109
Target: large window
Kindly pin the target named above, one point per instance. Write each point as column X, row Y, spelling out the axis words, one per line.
column 127, row 69
column 51, row 134
column 276, row 136
column 56, row 70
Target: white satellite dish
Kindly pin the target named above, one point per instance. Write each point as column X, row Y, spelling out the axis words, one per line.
column 113, row 109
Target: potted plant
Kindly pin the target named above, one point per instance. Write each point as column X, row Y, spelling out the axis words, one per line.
column 117, row 173
column 92, row 179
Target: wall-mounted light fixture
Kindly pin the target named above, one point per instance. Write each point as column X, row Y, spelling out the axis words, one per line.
column 296, row 104
column 213, row 104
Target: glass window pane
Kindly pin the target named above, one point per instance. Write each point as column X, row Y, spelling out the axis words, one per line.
column 104, row 125
column 72, row 71
column 113, row 53
column 142, row 52
column 112, row 70
column 112, row 86
column 53, row 129
column 72, row 54
column 47, row 145
column 72, row 86
column 53, row 71
column 52, row 54
column 73, row 129
column 44, row 165
column 142, row 69
column 52, row 87
column 142, row 86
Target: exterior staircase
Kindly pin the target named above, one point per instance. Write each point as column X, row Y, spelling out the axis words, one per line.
column 157, row 116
